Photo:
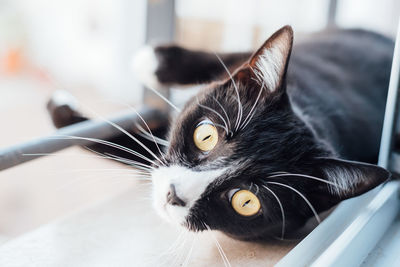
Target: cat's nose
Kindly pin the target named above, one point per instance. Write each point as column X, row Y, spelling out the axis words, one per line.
column 172, row 197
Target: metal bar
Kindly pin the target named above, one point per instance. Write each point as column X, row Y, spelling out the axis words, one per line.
column 160, row 25
column 332, row 10
column 361, row 236
column 391, row 107
column 99, row 129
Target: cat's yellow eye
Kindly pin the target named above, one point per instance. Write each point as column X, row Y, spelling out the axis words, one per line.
column 205, row 136
column 245, row 203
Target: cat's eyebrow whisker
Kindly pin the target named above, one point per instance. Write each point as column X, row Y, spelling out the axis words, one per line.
column 124, row 132
column 221, row 251
column 302, row 196
column 240, row 107
column 123, row 160
column 282, row 210
column 107, row 143
column 146, row 135
column 217, row 113
column 148, row 128
column 163, row 98
column 252, row 110
column 272, row 173
column 130, row 136
column 223, row 110
column 135, row 164
column 130, row 162
column 221, row 126
column 305, row 176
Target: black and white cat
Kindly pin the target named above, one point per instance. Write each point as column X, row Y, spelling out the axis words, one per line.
column 273, row 138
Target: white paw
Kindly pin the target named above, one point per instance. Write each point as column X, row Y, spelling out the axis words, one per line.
column 62, row 97
column 144, row 65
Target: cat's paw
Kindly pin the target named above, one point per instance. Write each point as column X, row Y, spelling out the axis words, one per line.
column 63, row 109
column 146, row 66
column 163, row 66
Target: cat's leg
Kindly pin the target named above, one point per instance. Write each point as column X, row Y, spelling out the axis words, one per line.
column 64, row 111
column 162, row 66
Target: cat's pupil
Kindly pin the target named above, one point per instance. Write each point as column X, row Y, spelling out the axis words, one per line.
column 247, row 202
column 207, row 137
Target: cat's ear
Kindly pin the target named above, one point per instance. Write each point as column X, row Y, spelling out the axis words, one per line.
column 269, row 63
column 347, row 178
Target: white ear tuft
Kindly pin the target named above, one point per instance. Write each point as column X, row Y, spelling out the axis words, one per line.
column 268, row 67
column 269, row 62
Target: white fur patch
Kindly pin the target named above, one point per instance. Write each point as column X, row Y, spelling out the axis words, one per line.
column 346, row 179
column 62, row 97
column 144, row 65
column 269, row 66
column 189, row 186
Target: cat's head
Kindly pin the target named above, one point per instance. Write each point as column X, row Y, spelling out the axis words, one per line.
column 243, row 162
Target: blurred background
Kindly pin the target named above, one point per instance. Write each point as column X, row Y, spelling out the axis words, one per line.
column 86, row 47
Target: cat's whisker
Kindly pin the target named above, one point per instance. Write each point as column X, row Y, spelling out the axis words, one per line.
column 223, row 110
column 163, row 98
column 186, row 262
column 302, row 196
column 107, row 143
column 147, row 168
column 217, row 113
column 133, row 173
column 178, row 250
column 282, row 210
column 240, row 107
column 173, row 248
column 219, row 247
column 85, row 180
column 221, row 251
column 252, row 110
column 305, row 176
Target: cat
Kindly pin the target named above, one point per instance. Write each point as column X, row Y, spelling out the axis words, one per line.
column 272, row 138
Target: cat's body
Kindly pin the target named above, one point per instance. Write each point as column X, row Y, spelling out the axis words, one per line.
column 338, row 81
column 281, row 126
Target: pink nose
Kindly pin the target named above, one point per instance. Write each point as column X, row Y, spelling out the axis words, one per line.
column 172, row 197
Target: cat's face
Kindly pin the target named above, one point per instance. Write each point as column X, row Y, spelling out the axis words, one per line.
column 241, row 161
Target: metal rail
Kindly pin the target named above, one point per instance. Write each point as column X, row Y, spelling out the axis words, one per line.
column 98, row 129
